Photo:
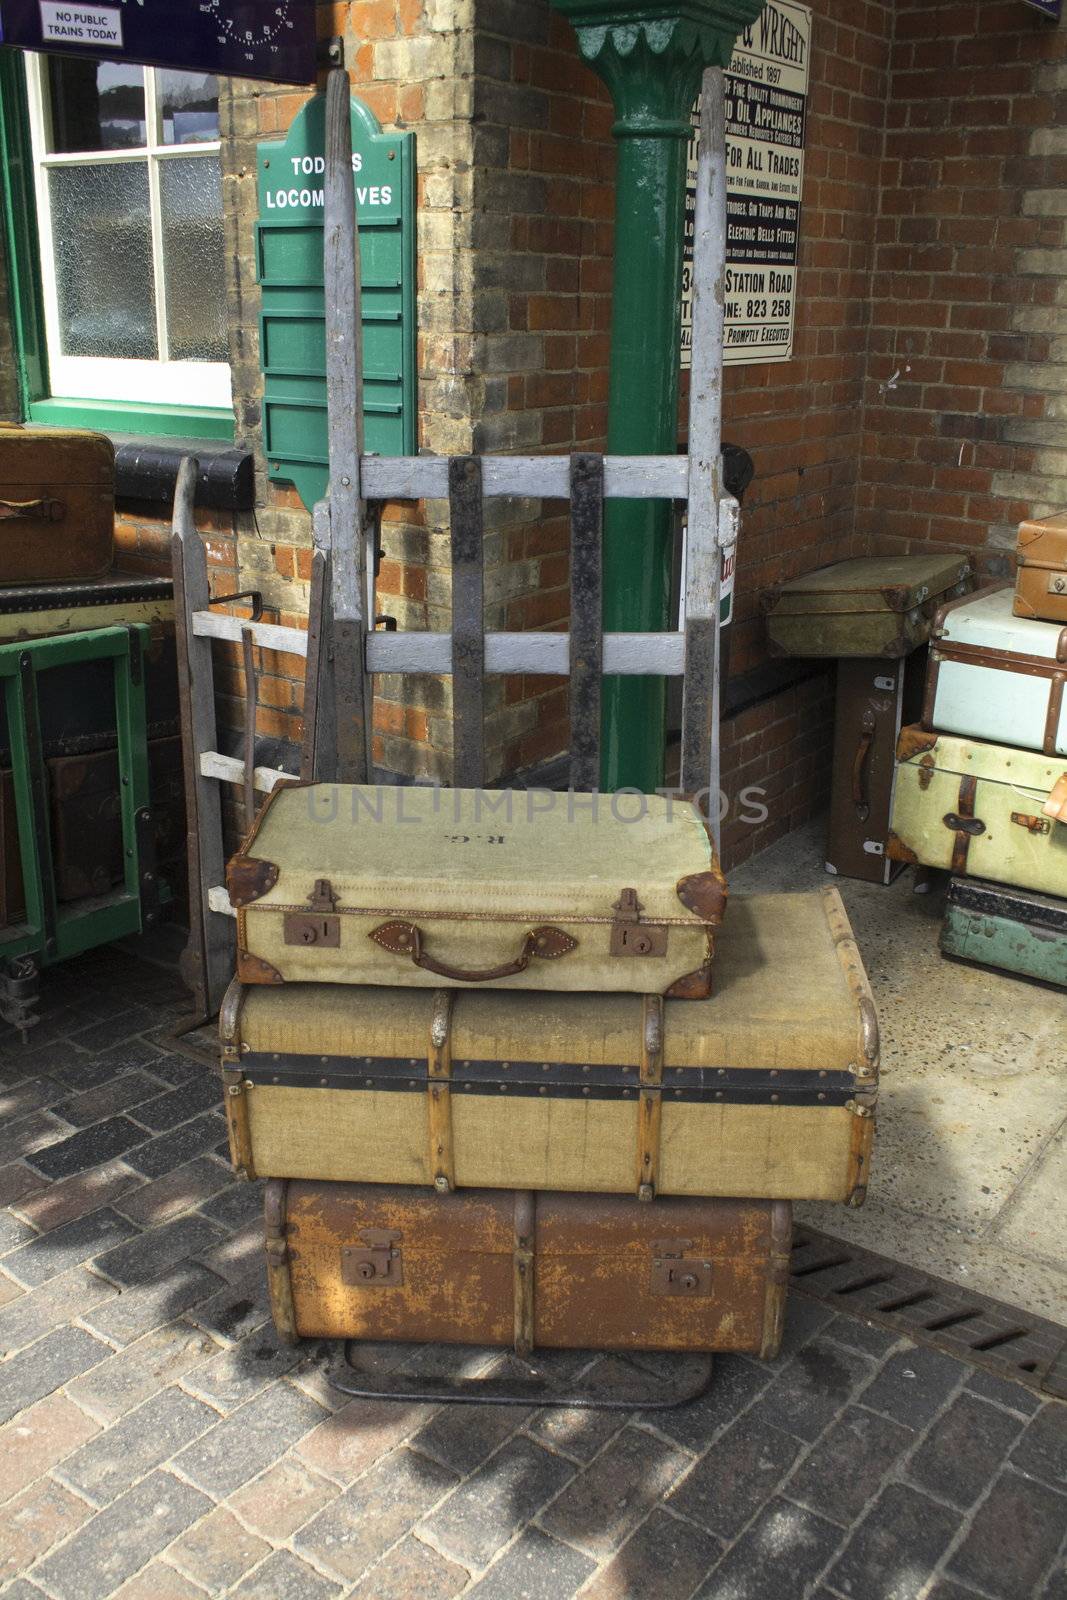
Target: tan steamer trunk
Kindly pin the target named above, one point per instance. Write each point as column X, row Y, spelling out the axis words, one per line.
column 1041, row 579
column 57, row 505
column 554, row 1271
column 765, row 1091
column 981, row 810
column 874, row 606
column 432, row 888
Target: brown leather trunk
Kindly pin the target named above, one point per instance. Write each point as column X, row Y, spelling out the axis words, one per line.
column 1041, row 579
column 875, row 699
column 87, row 816
column 503, row 1267
column 57, row 504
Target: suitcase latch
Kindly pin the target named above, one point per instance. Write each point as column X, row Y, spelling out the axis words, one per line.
column 675, row 1273
column 629, row 935
column 376, row 1263
column 318, row 925
column 1032, row 824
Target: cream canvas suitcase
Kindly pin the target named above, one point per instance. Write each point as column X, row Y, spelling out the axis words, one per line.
column 984, row 810
column 431, row 888
column 764, row 1091
column 872, row 606
column 996, row 676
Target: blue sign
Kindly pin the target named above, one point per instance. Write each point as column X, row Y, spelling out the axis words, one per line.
column 269, row 39
column 1047, row 8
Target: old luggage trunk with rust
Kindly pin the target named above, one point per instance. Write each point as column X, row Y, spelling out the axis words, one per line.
column 550, row 1271
column 875, row 698
column 86, row 811
column 873, row 606
column 1041, row 578
column 57, row 505
column 996, row 676
column 766, row 1090
column 433, row 888
column 981, row 810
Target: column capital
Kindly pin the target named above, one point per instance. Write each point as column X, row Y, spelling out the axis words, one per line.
column 652, row 54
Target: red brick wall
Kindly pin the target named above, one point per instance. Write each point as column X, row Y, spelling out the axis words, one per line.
column 802, row 419
column 921, row 407
column 964, row 376
column 544, row 195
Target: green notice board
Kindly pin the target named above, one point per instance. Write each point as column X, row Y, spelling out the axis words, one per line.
column 292, row 335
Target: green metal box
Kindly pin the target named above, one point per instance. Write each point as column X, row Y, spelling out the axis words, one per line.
column 1007, row 928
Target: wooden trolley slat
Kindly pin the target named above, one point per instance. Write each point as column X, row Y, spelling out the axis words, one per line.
column 342, row 649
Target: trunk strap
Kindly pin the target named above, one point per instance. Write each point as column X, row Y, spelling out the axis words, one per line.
column 650, row 1102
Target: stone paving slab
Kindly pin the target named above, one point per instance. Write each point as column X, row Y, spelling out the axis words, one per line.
column 158, row 1443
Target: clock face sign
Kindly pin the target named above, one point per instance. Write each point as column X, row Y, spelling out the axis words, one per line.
column 268, row 39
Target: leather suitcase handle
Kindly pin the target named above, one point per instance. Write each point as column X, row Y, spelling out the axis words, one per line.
column 859, row 766
column 32, row 510
column 406, row 939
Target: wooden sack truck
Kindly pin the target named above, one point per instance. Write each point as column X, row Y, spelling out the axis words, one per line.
column 343, row 651
column 524, row 1251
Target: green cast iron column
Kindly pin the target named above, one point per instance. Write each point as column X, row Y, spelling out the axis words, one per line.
column 652, row 55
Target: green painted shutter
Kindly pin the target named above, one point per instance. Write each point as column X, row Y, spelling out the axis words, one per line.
column 289, row 249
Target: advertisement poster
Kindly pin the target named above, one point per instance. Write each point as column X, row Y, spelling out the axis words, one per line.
column 766, row 110
column 270, row 39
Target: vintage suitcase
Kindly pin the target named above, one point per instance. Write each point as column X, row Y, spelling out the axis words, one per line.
column 86, row 816
column 32, row 610
column 1041, row 577
column 875, row 699
column 766, row 1090
column 551, row 1271
column 993, row 675
column 57, row 504
column 874, row 606
column 429, row 887
column 979, row 809
column 1012, row 929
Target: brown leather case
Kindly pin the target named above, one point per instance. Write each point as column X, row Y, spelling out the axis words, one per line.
column 87, row 816
column 57, row 504
column 1041, row 579
column 875, row 699
column 503, row 1267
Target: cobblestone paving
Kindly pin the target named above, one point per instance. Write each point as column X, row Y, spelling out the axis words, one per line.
column 158, row 1444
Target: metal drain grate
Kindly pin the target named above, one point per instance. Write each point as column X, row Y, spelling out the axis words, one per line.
column 999, row 1338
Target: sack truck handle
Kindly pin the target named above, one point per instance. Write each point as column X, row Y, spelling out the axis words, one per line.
column 406, row 939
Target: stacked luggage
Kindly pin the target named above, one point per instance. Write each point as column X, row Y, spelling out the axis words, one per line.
column 981, row 782
column 514, row 1078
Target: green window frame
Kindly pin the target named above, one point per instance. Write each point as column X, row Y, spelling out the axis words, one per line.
column 26, row 307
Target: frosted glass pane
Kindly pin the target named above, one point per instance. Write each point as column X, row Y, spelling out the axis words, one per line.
column 188, row 106
column 191, row 198
column 96, row 105
column 103, row 254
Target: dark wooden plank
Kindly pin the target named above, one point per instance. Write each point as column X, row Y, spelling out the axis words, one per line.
column 586, row 631
column 209, row 963
column 468, row 622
